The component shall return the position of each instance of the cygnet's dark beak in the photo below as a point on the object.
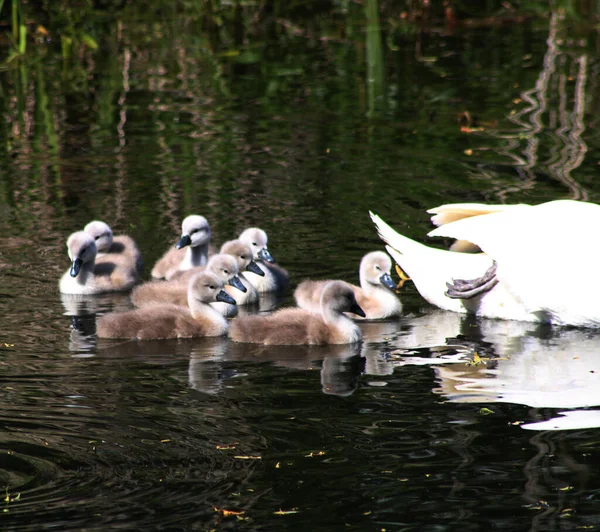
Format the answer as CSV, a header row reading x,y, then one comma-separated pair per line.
x,y
387,281
355,309
255,268
266,256
224,297
185,241
75,267
236,282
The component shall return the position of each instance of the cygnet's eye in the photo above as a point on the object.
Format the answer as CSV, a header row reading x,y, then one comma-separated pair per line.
x,y
243,257
226,272
377,267
98,237
211,286
254,244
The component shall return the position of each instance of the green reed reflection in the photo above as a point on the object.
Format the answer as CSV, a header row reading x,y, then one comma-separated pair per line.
x,y
375,60
208,98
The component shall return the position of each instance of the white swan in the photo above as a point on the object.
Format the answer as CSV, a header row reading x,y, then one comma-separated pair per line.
x,y
539,262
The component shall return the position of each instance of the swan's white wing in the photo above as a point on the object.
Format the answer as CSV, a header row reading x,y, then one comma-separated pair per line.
x,y
452,212
430,269
545,254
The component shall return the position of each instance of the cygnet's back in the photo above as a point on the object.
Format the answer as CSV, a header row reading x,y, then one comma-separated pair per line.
x,y
375,294
275,277
86,276
298,326
161,321
120,249
190,251
175,290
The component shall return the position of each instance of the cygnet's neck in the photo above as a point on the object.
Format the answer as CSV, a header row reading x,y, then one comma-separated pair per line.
x,y
195,256
366,284
344,326
333,316
262,283
202,308
86,272
372,288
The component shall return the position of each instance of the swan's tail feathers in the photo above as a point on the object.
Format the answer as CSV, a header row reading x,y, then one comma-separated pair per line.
x,y
430,268
451,212
400,244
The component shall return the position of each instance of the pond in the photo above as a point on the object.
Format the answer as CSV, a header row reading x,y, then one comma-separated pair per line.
x,y
298,121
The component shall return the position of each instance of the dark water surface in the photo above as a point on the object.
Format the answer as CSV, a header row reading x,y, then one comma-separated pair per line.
x,y
408,431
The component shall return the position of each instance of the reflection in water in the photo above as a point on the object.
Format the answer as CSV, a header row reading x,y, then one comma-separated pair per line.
x,y
513,362
148,435
206,370
83,310
211,366
85,305
551,123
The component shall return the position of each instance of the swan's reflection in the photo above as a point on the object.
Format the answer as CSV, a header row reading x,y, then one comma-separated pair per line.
x,y
516,362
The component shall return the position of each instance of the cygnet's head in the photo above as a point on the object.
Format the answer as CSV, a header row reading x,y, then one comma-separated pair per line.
x,y
195,231
206,287
101,233
257,240
375,268
81,248
339,297
243,255
226,268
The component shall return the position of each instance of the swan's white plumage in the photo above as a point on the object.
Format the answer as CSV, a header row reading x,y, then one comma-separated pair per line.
x,y
457,211
546,265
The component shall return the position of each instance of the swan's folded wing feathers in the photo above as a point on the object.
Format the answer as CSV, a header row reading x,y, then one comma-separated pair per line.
x,y
452,212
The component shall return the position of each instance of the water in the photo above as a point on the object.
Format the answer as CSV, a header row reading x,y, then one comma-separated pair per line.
x,y
408,431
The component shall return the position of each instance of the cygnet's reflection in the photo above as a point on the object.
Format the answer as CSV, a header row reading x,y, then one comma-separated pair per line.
x,y
341,365
207,371
83,309
517,362
85,305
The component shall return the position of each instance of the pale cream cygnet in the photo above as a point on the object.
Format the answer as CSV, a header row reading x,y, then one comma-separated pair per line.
x,y
190,251
275,277
375,295
89,275
121,248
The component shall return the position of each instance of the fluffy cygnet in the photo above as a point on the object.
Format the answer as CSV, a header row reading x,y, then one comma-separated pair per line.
x,y
121,249
275,277
167,320
90,276
375,294
190,251
175,290
243,254
298,326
